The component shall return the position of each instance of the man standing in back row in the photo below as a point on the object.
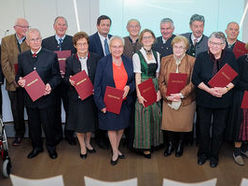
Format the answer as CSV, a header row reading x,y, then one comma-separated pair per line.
x,y
59,42
11,47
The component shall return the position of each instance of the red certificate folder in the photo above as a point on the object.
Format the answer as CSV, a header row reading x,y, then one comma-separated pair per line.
x,y
34,85
83,85
244,104
147,91
223,77
113,99
176,82
16,68
62,55
239,49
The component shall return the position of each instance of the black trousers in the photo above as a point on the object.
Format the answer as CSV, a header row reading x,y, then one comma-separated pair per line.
x,y
61,95
17,108
38,119
211,146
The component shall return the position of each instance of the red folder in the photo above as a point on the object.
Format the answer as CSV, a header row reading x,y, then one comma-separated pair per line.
x,y
62,55
239,49
16,68
176,82
147,91
34,85
113,99
83,85
244,104
223,77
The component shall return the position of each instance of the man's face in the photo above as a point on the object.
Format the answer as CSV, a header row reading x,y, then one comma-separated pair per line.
x,y
232,31
133,28
166,30
60,27
197,28
21,28
34,41
104,27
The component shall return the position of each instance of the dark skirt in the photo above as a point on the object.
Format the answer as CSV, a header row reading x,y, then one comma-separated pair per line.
x,y
237,126
111,121
82,115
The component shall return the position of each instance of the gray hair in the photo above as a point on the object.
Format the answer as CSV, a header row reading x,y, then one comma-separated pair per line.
x,y
196,17
133,20
116,38
60,17
218,35
232,22
32,30
167,20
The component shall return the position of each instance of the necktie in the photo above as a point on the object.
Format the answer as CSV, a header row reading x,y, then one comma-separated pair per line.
x,y
60,43
106,47
195,41
34,55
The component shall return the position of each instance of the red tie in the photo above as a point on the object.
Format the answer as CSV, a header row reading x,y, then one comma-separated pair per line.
x,y
34,55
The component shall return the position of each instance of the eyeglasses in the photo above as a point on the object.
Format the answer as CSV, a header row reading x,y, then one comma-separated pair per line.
x,y
21,26
180,47
215,44
116,47
147,37
35,40
81,44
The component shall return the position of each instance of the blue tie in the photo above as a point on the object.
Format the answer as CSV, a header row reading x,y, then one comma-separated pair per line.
x,y
60,43
106,47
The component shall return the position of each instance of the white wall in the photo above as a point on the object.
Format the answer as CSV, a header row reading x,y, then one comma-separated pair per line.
x,y
41,15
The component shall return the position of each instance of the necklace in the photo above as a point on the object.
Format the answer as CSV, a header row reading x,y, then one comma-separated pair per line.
x,y
148,52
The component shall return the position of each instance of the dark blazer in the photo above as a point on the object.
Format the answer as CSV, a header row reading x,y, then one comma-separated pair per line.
x,y
51,43
73,66
96,45
203,72
164,49
103,78
46,65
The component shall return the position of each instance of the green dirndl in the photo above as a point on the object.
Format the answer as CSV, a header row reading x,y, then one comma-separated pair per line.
x,y
147,132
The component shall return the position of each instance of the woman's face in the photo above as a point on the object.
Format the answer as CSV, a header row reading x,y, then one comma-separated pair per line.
x,y
116,48
147,39
82,46
216,46
179,49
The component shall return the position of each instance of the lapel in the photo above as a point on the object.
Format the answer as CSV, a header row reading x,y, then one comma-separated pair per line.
x,y
99,44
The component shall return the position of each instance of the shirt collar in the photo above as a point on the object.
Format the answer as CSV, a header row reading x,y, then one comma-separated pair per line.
x,y
193,38
32,52
102,38
163,40
57,38
20,40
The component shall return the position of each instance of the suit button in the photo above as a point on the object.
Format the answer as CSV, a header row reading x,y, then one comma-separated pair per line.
x,y
34,68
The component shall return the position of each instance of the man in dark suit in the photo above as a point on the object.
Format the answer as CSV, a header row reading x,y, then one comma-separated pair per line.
x,y
100,40
197,40
99,44
40,112
232,42
11,46
58,42
163,43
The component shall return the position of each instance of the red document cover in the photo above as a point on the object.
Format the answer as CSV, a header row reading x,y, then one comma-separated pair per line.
x,y
223,77
176,82
16,68
113,99
147,91
34,85
83,85
62,55
239,49
244,104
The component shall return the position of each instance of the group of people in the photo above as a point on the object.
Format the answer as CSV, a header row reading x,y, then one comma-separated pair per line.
x,y
124,63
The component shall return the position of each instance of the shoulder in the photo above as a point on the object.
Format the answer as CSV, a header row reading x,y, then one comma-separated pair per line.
x,y
229,54
93,36
166,59
94,56
48,39
23,54
48,52
8,38
187,35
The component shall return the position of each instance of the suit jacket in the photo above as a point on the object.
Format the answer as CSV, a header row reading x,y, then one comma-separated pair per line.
x,y
167,66
46,65
9,57
164,49
201,46
96,45
51,43
73,66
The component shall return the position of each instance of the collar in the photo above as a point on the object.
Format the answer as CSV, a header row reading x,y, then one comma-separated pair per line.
x,y
102,38
20,40
57,38
82,58
163,40
193,38
132,40
32,52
